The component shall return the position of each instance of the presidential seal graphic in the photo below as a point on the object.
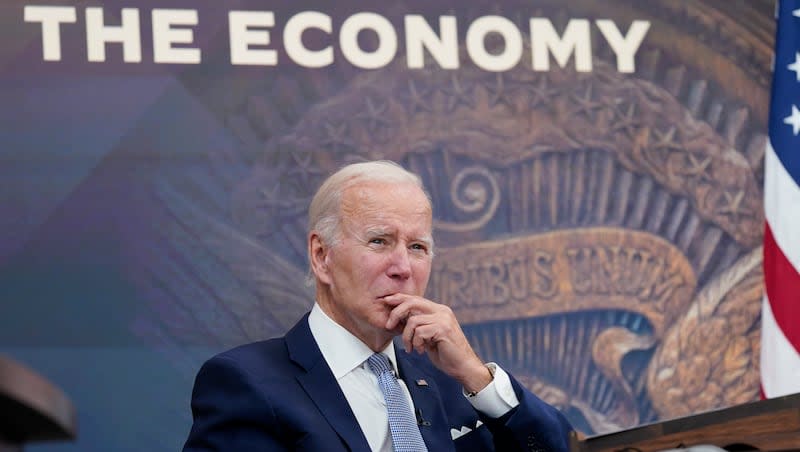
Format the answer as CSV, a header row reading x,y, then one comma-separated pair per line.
x,y
598,231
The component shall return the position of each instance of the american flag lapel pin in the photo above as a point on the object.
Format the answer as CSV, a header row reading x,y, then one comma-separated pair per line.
x,y
422,382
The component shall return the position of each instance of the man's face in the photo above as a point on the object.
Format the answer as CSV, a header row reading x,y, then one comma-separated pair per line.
x,y
384,247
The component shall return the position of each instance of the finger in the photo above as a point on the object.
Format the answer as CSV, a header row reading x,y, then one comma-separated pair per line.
x,y
408,334
425,337
412,330
396,298
400,312
397,316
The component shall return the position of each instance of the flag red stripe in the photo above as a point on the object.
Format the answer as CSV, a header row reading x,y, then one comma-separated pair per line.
x,y
782,283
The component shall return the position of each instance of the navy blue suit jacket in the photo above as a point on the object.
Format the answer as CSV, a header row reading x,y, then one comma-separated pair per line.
x,y
280,394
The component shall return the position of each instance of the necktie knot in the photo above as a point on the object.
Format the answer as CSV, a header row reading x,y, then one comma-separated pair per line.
x,y
379,364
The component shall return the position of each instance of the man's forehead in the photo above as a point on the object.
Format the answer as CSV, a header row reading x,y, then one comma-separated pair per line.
x,y
379,187
386,209
378,195
415,225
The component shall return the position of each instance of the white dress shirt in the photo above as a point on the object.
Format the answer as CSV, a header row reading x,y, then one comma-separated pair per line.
x,y
346,355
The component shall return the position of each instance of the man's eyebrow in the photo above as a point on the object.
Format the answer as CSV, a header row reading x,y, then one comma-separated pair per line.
x,y
427,240
381,231
376,231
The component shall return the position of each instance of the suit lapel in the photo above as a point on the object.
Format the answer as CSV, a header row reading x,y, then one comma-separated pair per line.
x,y
321,386
427,403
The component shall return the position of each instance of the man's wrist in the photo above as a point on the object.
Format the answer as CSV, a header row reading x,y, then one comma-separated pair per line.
x,y
489,370
498,398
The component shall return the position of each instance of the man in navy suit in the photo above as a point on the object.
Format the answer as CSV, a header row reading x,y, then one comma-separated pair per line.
x,y
317,388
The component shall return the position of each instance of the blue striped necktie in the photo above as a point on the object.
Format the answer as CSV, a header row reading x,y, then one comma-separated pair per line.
x,y
402,424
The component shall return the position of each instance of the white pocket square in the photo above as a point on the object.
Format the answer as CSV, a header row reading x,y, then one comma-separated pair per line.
x,y
455,434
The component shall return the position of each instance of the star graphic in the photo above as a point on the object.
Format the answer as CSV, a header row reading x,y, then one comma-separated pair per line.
x,y
626,122
305,169
458,94
500,95
733,203
337,137
418,99
793,120
273,202
696,165
540,94
374,115
796,13
796,65
666,141
586,103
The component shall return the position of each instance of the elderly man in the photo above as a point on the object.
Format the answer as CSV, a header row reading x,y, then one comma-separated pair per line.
x,y
339,380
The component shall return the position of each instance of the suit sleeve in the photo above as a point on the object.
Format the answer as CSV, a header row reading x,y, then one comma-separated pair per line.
x,y
229,413
533,425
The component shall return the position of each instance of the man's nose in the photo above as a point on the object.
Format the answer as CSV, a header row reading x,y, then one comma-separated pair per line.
x,y
400,265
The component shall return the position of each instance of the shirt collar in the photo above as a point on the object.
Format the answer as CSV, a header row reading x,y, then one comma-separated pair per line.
x,y
342,351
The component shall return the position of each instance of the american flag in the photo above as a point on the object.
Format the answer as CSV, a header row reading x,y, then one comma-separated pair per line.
x,y
780,317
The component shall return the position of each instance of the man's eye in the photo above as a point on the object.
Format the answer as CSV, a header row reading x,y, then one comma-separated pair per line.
x,y
419,247
378,241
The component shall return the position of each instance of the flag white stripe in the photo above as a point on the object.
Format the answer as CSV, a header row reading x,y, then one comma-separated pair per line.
x,y
780,362
782,206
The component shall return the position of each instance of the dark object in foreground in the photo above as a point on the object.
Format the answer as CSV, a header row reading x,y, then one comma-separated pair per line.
x,y
31,408
772,425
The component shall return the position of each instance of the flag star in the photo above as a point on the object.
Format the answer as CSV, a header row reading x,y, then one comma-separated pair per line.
x,y
796,12
796,65
793,120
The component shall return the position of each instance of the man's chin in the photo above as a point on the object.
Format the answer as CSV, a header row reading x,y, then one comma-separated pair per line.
x,y
380,324
396,331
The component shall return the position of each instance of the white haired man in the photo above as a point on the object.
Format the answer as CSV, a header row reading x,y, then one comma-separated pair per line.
x,y
375,366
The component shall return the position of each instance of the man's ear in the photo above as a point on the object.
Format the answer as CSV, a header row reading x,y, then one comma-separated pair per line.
x,y
319,254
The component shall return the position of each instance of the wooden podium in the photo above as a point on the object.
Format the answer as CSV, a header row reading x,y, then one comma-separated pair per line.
x,y
767,425
31,408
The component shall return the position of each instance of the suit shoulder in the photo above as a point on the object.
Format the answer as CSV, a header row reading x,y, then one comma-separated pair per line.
x,y
263,358
274,346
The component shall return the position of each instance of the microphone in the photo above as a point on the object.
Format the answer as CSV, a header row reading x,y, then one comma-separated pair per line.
x,y
421,420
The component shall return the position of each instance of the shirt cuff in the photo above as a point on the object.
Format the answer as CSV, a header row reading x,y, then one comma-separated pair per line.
x,y
498,397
